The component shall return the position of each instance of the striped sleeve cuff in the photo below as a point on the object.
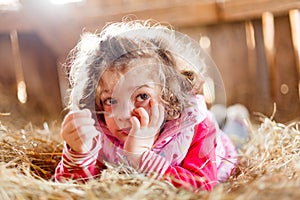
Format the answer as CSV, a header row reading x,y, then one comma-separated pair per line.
x,y
73,159
152,163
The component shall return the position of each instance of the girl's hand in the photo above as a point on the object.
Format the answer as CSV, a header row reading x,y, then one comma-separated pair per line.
x,y
78,130
143,132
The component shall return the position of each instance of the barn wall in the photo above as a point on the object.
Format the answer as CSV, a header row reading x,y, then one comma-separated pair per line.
x,y
7,66
40,75
246,72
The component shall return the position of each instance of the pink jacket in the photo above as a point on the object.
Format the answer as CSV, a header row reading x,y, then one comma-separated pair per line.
x,y
184,155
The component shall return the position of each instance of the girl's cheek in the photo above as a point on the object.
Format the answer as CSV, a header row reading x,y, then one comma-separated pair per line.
x,y
107,108
145,104
135,114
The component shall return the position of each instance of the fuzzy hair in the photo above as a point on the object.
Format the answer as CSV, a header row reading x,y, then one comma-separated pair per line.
x,y
118,43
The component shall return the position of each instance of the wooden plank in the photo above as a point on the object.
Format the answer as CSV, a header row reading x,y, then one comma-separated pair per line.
x,y
21,84
238,10
60,26
295,32
178,15
14,21
251,69
268,27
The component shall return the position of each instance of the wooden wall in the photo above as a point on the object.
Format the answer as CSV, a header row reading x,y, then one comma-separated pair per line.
x,y
246,72
47,32
40,75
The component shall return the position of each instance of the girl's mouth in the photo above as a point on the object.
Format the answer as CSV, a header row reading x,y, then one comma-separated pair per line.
x,y
125,130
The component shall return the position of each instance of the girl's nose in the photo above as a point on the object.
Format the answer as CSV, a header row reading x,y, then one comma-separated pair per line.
x,y
123,110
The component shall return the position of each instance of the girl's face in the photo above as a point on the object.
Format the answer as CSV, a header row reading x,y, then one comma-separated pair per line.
x,y
121,93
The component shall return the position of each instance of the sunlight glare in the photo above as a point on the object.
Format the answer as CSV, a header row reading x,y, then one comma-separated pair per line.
x,y
65,1
10,5
22,94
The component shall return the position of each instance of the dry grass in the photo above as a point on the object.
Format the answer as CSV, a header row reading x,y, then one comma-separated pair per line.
x,y
269,167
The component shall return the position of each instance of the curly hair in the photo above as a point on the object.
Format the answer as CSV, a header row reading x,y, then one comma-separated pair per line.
x,y
120,43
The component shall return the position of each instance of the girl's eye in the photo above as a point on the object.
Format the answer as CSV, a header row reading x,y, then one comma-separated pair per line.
x,y
110,101
142,97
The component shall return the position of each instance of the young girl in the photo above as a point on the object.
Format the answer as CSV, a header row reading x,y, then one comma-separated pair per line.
x,y
135,96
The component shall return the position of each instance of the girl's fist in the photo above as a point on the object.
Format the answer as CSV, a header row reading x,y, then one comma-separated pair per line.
x,y
78,130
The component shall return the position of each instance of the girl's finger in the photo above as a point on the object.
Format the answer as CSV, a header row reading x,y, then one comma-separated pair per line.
x,y
144,117
161,111
87,132
75,124
76,114
81,144
135,125
157,115
77,139
70,137
154,112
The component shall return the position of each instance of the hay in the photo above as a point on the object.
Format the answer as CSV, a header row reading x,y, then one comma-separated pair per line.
x,y
269,163
30,149
269,167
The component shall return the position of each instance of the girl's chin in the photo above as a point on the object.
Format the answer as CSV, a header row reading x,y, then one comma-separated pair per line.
x,y
122,136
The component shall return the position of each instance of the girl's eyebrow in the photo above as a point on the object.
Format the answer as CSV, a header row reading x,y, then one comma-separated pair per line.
x,y
105,92
109,92
148,85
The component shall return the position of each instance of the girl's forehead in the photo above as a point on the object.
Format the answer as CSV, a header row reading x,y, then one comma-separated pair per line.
x,y
135,75
109,79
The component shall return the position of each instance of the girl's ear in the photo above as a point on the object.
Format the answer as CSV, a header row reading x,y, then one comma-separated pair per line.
x,y
189,75
195,81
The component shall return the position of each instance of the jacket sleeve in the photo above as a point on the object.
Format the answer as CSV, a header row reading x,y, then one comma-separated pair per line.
x,y
78,166
198,169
